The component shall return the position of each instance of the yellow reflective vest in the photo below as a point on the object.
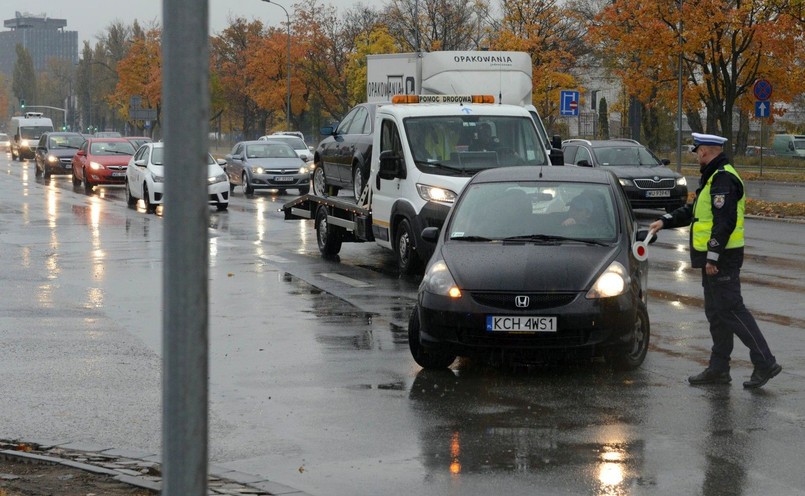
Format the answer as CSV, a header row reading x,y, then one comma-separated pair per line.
x,y
703,213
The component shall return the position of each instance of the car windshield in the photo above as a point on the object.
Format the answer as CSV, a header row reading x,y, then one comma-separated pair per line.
x,y
270,150
472,143
34,132
624,155
111,148
535,211
66,141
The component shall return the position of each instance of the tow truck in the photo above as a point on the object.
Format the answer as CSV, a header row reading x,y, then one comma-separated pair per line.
x,y
425,149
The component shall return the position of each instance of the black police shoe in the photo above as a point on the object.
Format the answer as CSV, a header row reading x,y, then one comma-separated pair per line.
x,y
709,376
762,376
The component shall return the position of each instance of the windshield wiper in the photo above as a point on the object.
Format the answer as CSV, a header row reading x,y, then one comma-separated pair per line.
x,y
551,237
471,238
439,165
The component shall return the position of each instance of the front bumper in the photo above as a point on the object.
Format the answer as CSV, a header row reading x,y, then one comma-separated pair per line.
x,y
280,181
458,326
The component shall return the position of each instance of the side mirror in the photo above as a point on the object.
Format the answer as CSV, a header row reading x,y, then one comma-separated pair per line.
x,y
390,165
557,156
666,162
556,141
430,234
327,130
221,162
139,163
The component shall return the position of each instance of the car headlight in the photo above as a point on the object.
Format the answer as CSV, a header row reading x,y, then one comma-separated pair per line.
x,y
625,182
217,179
435,194
303,169
157,178
438,280
52,159
681,181
612,282
24,142
95,166
258,170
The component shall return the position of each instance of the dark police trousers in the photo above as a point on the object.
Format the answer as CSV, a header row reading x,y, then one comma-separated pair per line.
x,y
728,316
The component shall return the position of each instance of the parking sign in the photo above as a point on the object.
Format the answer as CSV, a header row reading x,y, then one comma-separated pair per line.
x,y
569,102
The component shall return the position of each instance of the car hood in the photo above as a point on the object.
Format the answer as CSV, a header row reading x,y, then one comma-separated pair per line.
x,y
638,171
526,266
213,170
110,159
276,163
64,152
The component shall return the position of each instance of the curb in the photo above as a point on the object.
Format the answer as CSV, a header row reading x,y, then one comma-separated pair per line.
x,y
137,468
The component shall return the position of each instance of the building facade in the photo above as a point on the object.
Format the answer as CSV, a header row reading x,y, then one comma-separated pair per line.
x,y
43,37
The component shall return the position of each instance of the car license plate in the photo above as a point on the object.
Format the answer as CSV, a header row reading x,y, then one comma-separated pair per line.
x,y
283,179
497,323
118,174
658,193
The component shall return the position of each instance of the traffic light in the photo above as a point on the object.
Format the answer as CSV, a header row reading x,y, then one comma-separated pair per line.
x,y
22,103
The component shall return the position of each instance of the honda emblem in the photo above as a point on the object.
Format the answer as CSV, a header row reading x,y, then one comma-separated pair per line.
x,y
522,301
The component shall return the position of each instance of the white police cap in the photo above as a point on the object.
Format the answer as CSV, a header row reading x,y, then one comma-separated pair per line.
x,y
707,139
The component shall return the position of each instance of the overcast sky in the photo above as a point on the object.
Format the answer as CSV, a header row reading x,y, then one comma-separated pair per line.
x,y
91,17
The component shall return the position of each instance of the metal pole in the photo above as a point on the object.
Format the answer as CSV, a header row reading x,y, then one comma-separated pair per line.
x,y
185,323
288,91
679,99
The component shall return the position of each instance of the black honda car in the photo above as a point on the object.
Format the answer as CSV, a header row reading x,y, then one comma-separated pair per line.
x,y
647,180
535,264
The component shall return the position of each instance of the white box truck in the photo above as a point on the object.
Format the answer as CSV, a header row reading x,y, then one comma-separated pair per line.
x,y
504,74
25,131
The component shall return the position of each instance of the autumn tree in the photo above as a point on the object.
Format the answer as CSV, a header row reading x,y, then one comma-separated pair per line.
x,y
24,78
431,25
140,74
229,52
545,30
726,45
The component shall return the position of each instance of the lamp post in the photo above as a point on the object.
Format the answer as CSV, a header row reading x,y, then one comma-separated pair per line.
x,y
288,90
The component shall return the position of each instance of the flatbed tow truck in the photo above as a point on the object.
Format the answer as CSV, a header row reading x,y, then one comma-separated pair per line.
x,y
412,184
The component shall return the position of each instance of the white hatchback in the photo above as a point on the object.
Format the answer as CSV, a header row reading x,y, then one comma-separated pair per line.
x,y
145,178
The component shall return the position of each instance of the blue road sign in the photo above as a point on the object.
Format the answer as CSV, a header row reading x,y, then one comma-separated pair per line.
x,y
762,108
569,102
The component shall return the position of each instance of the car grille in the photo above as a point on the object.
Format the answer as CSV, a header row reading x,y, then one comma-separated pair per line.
x,y
652,184
66,160
117,167
506,301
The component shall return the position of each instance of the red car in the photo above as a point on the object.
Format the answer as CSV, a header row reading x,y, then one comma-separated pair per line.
x,y
102,161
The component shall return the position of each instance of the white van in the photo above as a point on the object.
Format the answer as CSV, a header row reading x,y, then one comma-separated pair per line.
x,y
789,145
25,131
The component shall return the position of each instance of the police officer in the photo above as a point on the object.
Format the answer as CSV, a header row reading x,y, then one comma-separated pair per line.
x,y
716,218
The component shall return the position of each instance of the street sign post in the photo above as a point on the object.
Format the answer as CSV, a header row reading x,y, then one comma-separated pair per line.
x,y
569,102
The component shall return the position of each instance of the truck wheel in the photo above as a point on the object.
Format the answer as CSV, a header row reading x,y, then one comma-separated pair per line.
x,y
328,237
631,356
426,359
407,258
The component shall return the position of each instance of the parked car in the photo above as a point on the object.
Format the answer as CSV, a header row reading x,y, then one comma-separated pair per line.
x,y
101,161
145,178
755,151
301,148
266,164
5,143
298,134
513,278
342,159
648,181
138,141
54,153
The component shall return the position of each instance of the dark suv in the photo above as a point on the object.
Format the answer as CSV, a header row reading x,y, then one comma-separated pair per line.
x,y
54,152
343,158
647,180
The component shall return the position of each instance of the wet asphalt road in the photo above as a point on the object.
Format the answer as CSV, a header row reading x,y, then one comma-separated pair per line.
x,y
312,384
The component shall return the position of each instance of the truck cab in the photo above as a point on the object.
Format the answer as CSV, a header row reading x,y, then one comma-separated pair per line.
x,y
424,154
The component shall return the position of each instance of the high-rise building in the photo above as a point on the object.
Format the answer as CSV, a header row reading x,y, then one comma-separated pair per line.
x,y
43,37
